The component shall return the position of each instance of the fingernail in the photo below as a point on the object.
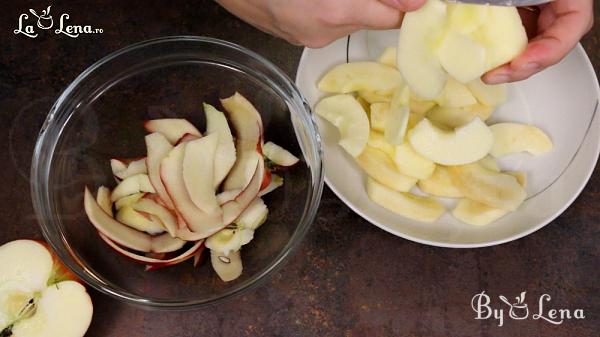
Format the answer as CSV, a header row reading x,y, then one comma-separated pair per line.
x,y
497,79
530,66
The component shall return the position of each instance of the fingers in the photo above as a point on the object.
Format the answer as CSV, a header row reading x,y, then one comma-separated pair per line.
x,y
404,5
553,43
375,14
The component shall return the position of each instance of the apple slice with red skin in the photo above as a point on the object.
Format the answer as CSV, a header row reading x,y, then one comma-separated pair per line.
x,y
149,205
247,123
172,128
131,185
200,223
198,172
122,234
216,123
123,168
158,147
188,137
232,209
152,261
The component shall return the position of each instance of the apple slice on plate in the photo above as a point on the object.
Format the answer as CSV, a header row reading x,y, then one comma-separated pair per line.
x,y
378,111
441,184
456,117
356,76
377,140
411,163
132,185
513,138
172,128
225,157
279,155
349,117
38,295
396,119
487,94
477,214
123,169
380,167
198,172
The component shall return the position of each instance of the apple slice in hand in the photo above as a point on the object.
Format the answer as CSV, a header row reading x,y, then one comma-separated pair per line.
x,y
198,172
228,267
357,76
279,155
513,138
487,94
456,117
122,169
455,95
35,298
172,128
424,209
157,148
216,122
381,168
132,185
463,145
348,116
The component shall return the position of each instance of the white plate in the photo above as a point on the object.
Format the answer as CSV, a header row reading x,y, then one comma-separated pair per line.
x,y
562,101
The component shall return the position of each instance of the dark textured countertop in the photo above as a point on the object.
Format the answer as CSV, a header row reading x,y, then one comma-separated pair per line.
x,y
348,278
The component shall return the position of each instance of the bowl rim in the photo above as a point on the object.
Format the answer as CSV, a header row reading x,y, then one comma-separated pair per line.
x,y
588,174
40,169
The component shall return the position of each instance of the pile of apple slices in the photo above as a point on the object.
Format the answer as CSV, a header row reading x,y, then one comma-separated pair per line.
x,y
191,190
38,295
438,145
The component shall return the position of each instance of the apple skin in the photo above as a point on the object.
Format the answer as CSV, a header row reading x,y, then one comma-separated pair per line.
x,y
266,180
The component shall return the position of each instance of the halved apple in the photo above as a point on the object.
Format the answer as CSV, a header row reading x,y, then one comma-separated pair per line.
x,y
132,185
477,214
378,141
128,200
494,189
378,116
200,223
276,181
216,122
103,199
149,206
513,137
140,221
487,94
440,184
455,95
356,76
396,119
172,128
247,123
123,169
457,117
411,163
198,172
419,34
388,57
279,155
463,145
228,267
348,116
38,295
381,168
424,209
157,148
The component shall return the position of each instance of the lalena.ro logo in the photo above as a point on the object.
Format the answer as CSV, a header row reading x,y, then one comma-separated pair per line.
x,y
520,310
30,26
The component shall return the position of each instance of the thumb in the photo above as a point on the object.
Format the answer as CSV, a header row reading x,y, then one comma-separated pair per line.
x,y
405,5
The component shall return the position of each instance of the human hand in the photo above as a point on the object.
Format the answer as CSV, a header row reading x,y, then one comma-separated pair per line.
x,y
560,25
316,23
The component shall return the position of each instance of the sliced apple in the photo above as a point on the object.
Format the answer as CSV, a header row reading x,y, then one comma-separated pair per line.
x,y
123,170
372,97
377,140
200,223
128,200
489,163
466,18
247,123
253,216
228,195
228,267
276,181
216,122
411,163
396,119
521,177
487,94
188,137
136,220
513,138
232,209
424,209
348,116
356,76
157,148
149,206
455,95
279,155
172,128
198,172
229,240
420,106
381,168
457,117
388,57
440,184
419,35
477,214
463,145
494,189
378,116
463,58
132,185
103,199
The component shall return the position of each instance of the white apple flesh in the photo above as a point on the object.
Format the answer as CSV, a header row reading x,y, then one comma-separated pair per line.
x,y
279,155
122,170
132,185
172,128
232,209
228,267
198,172
225,157
157,148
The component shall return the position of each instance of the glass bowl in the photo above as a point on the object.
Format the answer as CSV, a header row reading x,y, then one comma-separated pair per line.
x,y
100,116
